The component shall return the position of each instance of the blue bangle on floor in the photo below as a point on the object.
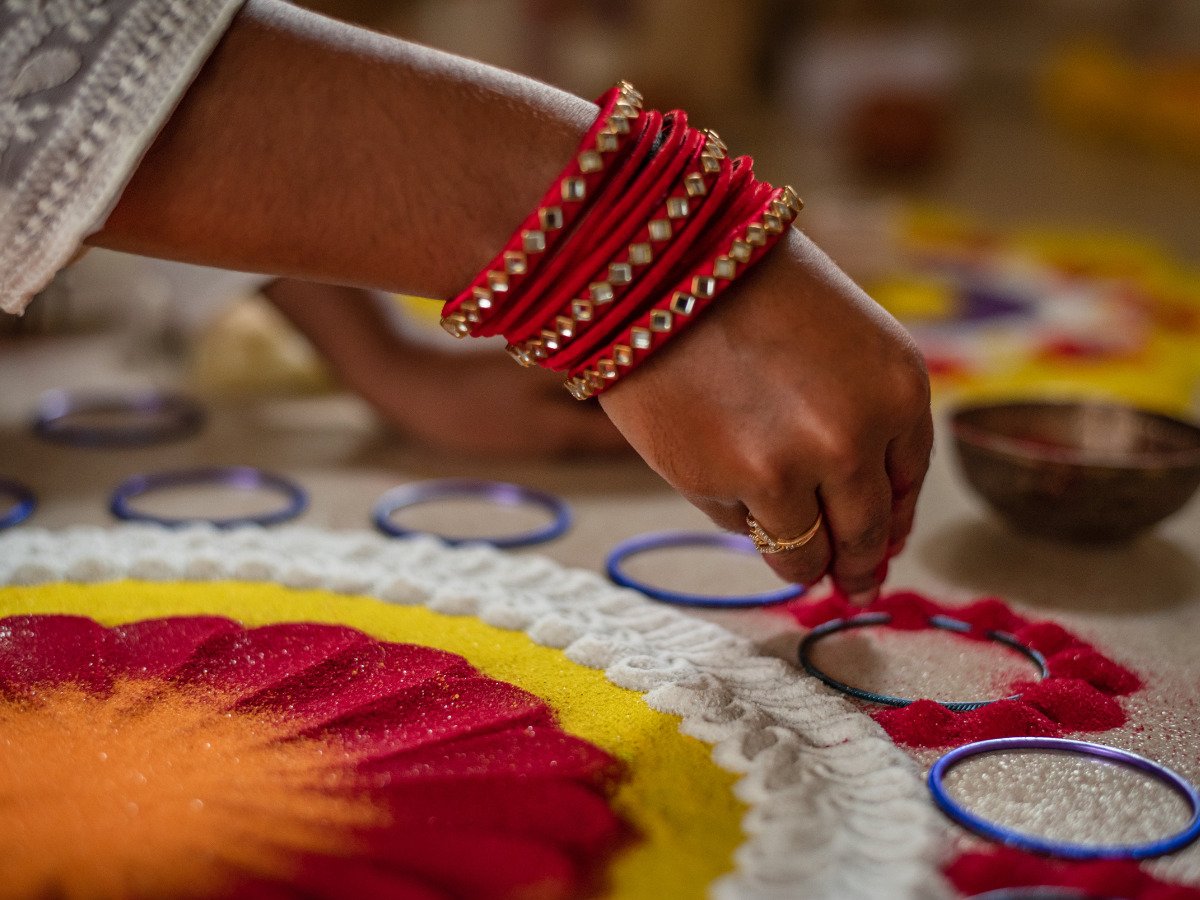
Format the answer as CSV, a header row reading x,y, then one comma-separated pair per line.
x,y
1062,849
165,417
501,493
24,503
942,623
644,543
240,477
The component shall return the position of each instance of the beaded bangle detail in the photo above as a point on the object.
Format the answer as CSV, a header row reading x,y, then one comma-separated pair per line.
x,y
623,272
557,211
691,237
645,227
690,297
581,263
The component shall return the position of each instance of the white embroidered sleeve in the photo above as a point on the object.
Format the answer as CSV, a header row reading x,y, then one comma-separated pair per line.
x,y
84,87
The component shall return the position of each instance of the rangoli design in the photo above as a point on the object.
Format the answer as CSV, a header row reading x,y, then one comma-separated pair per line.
x,y
192,756
343,714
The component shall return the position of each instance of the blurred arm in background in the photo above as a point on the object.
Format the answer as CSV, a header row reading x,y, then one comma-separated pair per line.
x,y
474,402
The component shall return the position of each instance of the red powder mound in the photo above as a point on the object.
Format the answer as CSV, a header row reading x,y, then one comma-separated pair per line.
x,y
814,613
1072,703
1079,694
1046,638
988,614
909,611
1087,664
977,873
929,724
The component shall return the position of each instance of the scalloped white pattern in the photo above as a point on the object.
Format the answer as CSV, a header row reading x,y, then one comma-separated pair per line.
x,y
835,809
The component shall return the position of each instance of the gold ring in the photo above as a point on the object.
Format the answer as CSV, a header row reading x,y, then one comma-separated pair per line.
x,y
764,543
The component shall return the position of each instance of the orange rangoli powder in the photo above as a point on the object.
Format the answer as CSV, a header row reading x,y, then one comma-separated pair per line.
x,y
151,790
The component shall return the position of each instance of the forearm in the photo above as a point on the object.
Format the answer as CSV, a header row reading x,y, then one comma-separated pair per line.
x,y
348,328
312,149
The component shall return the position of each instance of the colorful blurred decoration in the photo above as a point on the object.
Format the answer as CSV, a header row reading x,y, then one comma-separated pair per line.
x,y
1045,313
1154,104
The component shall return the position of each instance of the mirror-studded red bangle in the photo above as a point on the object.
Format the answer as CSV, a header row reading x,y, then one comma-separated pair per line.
x,y
590,284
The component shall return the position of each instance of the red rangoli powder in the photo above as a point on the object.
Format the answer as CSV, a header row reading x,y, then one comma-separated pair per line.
x,y
977,873
1079,694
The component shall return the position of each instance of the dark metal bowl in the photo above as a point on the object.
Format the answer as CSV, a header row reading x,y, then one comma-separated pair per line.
x,y
1083,471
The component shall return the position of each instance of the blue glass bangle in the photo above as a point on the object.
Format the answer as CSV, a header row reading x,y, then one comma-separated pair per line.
x,y
501,493
1062,849
167,417
23,505
942,623
663,540
241,477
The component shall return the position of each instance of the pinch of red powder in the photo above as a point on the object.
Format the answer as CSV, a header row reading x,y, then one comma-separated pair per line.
x,y
812,614
1078,695
977,873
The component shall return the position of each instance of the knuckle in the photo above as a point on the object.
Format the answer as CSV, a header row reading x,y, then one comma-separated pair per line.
x,y
726,516
763,477
840,449
688,485
908,382
911,354
865,540
907,379
911,393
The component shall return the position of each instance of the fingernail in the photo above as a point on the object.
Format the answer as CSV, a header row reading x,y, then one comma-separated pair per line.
x,y
863,598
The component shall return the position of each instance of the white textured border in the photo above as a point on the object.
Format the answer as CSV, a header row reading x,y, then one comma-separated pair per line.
x,y
836,810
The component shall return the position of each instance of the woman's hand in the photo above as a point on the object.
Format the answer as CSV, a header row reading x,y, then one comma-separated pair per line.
x,y
794,395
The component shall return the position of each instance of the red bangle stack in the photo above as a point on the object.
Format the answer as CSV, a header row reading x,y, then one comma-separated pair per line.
x,y
647,225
